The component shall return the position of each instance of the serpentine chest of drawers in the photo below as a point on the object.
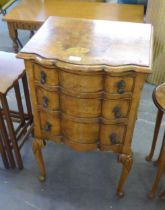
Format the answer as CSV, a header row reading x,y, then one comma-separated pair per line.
x,y
85,79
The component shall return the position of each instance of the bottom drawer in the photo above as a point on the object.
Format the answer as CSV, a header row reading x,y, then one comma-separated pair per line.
x,y
112,134
80,147
79,131
50,124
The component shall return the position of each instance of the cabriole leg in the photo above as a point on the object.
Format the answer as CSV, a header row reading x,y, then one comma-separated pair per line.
x,y
37,145
127,161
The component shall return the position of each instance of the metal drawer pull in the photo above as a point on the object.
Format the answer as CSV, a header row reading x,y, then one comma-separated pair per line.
x,y
42,77
121,85
117,112
47,126
45,101
113,138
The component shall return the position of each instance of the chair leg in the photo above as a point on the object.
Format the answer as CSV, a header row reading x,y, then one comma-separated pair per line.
x,y
27,97
31,34
19,102
6,141
19,42
159,172
11,131
3,154
156,132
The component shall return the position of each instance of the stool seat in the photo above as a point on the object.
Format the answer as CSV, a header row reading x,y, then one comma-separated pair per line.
x,y
11,69
159,96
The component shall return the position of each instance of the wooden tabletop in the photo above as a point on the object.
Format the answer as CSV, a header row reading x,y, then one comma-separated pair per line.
x,y
40,10
91,42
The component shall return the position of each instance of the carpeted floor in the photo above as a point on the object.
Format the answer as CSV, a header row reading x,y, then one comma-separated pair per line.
x,y
83,181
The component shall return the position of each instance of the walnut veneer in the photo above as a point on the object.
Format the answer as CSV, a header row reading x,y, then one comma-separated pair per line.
x,y
86,77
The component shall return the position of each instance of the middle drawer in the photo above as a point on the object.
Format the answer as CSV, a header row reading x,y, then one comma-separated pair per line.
x,y
115,109
47,99
80,130
80,107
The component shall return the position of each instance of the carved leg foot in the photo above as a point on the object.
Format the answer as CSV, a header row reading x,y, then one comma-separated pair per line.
x,y
149,157
37,146
120,194
127,161
151,195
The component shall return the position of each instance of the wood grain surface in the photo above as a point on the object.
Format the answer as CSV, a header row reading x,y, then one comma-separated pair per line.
x,y
39,11
91,42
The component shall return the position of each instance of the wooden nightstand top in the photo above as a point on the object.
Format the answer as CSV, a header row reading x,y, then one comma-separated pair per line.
x,y
85,42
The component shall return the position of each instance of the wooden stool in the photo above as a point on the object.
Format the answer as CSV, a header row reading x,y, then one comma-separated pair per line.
x,y
11,137
159,100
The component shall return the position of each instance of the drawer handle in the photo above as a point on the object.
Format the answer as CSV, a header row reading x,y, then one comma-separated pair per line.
x,y
42,77
47,127
113,138
45,101
121,85
117,112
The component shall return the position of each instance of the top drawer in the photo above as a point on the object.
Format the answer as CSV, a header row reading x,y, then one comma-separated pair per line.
x,y
120,85
45,76
81,83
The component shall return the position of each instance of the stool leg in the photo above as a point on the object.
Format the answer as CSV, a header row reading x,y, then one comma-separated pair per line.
x,y
162,195
156,162
19,102
11,131
160,171
156,132
27,97
3,154
4,135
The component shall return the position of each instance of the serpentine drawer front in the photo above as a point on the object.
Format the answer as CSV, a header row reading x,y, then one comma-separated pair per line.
x,y
85,79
